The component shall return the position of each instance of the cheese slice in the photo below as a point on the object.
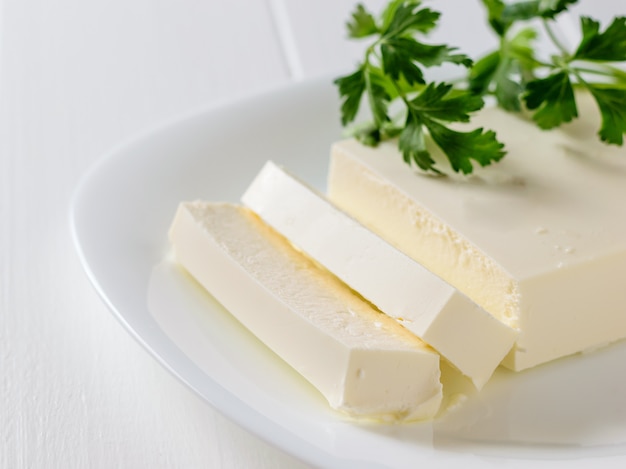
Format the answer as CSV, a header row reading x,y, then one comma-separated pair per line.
x,y
470,338
538,240
364,363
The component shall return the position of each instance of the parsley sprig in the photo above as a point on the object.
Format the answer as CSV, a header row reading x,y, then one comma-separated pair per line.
x,y
516,76
393,71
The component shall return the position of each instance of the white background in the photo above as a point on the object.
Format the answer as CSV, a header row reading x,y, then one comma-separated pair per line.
x,y
76,77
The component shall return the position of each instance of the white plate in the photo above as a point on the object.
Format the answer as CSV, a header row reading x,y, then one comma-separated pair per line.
x,y
571,412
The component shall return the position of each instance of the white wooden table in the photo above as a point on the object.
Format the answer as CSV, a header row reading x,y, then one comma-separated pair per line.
x,y
78,76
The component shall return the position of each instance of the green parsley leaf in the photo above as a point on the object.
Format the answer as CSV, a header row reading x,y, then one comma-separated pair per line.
x,y
516,68
612,104
397,60
553,98
520,48
408,18
520,11
365,81
412,144
483,72
378,98
371,134
497,76
504,71
463,147
508,90
433,55
502,15
400,54
551,8
437,104
609,46
525,10
351,88
495,9
362,24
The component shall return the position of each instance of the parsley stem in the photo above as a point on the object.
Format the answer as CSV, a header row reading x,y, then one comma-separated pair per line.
x,y
368,88
555,40
579,77
541,63
617,72
606,71
401,93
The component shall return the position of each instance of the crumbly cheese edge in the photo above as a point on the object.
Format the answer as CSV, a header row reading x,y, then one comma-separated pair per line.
x,y
407,224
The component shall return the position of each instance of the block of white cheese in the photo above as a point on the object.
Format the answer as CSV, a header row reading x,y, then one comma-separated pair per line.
x,y
363,362
538,240
470,338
